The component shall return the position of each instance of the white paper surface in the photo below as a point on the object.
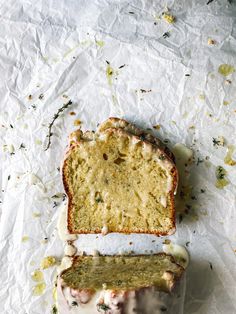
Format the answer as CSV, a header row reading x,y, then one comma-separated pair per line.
x,y
60,48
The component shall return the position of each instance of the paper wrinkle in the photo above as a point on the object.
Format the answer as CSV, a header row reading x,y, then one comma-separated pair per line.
x,y
50,48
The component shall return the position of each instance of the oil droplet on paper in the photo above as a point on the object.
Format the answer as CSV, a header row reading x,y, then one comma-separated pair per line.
x,y
47,262
228,158
25,238
109,73
37,275
202,97
38,142
100,43
36,214
226,69
39,289
54,293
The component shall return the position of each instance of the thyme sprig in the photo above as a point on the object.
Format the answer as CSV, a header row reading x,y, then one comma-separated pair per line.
x,y
56,115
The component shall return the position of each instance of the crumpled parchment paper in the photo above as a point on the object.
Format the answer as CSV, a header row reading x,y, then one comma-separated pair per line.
x,y
55,51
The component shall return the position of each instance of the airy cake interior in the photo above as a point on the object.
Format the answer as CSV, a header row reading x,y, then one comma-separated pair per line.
x,y
118,184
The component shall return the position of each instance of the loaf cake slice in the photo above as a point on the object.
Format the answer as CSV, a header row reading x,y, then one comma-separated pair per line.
x,y
123,272
117,182
118,284
132,129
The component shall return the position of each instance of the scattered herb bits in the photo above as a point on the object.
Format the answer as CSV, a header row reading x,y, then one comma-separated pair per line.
x,y
103,307
221,181
209,1
220,141
199,161
54,309
22,146
166,35
145,90
162,157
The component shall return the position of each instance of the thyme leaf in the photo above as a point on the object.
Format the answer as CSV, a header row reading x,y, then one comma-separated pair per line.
x,y
22,146
180,218
166,34
60,110
103,307
199,161
99,200
220,173
74,303
54,309
220,141
55,204
215,142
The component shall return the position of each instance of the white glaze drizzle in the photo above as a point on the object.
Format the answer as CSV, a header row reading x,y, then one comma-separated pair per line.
x,y
178,252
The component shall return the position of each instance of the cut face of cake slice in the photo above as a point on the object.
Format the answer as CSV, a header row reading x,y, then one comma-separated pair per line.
x,y
118,284
117,182
122,272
